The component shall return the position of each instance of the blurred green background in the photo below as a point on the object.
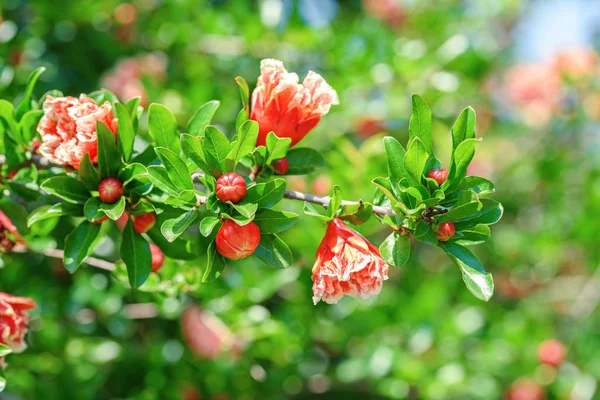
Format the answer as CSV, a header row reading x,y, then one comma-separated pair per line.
x,y
529,70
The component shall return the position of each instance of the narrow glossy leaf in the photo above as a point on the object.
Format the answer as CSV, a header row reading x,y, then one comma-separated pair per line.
x,y
240,119
160,178
176,169
16,212
277,147
479,185
309,209
146,157
414,161
266,194
271,221
79,244
420,122
425,234
247,210
475,235
88,174
114,210
92,210
29,125
246,142
467,205
274,252
180,248
67,188
244,92
194,149
109,156
202,118
464,127
4,350
303,160
462,158
335,201
357,213
208,224
125,131
53,211
162,126
7,113
132,171
215,264
135,253
216,148
477,279
385,186
173,228
489,214
395,158
25,103
395,250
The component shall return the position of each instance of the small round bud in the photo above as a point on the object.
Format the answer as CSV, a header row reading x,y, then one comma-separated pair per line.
x,y
439,175
445,231
158,257
231,187
281,166
122,221
143,223
552,352
100,220
235,241
524,389
110,190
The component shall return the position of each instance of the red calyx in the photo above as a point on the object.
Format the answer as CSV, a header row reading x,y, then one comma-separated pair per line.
x,y
158,257
235,241
552,352
445,231
281,166
231,187
100,220
143,223
439,175
110,190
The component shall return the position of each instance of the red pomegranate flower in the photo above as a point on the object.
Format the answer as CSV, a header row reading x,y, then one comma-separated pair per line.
x,y
206,335
347,264
68,128
282,105
9,236
14,321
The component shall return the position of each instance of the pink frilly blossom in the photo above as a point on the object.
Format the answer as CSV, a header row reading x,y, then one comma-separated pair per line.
x,y
577,63
206,335
282,105
68,128
14,321
347,264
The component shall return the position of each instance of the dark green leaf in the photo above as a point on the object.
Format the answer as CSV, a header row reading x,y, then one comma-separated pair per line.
x,y
309,209
194,149
420,123
489,214
202,118
25,103
176,169
114,210
179,249
125,131
475,235
173,228
29,125
162,126
79,244
414,161
67,188
395,250
52,211
478,280
461,159
135,253
271,221
466,205
274,252
303,160
215,264
160,178
395,158
479,185
266,194
216,148
88,174
246,210
109,156
245,143
92,210
276,147
425,234
208,224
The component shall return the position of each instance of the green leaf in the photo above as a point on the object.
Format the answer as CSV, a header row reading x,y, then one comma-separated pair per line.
x,y
88,174
247,210
202,118
240,119
29,125
477,184
173,228
146,157
309,209
414,161
131,172
489,214
246,142
385,186
467,205
395,250
114,210
179,249
52,211
25,103
162,126
67,188
357,213
92,210
461,159
16,212
420,123
271,221
335,201
274,252
276,147
216,148
303,160
194,149
125,131
160,178
244,92
2,383
109,156
176,169
266,194
478,280
4,350
425,234
395,158
464,127
215,264
79,244
7,113
475,235
208,224
135,253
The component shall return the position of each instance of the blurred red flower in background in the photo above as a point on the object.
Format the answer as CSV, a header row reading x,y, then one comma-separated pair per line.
x,y
347,264
9,236
281,105
206,335
14,321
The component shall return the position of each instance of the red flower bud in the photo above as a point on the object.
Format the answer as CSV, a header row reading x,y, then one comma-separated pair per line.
x,y
524,389
231,187
281,166
143,223
235,241
122,221
552,352
110,190
101,220
445,231
158,257
439,175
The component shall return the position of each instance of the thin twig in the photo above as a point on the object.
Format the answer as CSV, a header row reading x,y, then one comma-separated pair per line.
x,y
324,201
140,311
94,262
588,298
